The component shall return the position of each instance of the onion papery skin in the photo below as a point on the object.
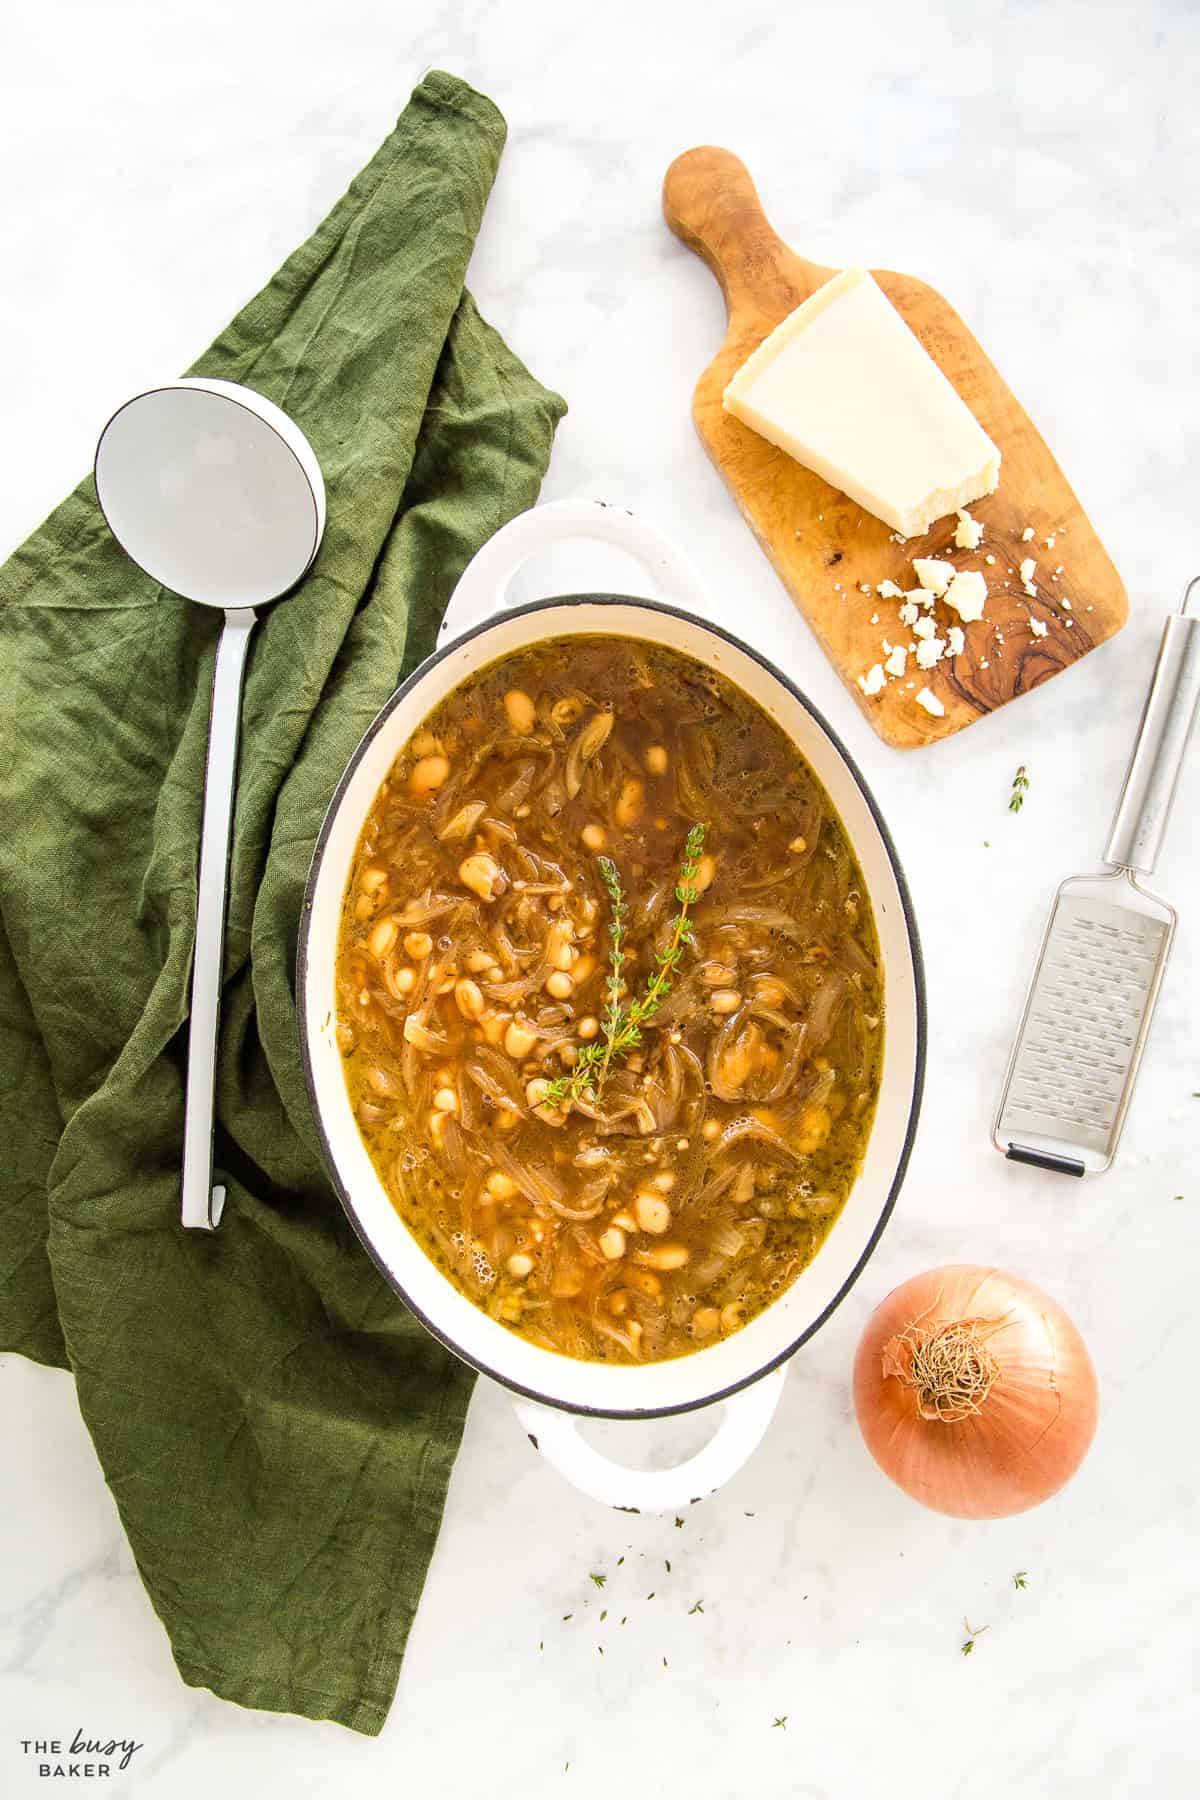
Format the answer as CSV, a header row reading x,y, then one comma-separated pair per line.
x,y
1035,1425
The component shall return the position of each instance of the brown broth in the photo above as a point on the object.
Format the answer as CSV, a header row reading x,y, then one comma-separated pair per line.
x,y
661,1210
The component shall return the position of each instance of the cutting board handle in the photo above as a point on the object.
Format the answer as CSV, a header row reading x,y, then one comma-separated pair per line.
x,y
710,202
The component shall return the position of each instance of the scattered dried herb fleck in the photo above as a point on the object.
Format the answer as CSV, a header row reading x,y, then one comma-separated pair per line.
x,y
779,1724
679,1522
598,1580
1016,799
666,1565
698,1608
1021,1578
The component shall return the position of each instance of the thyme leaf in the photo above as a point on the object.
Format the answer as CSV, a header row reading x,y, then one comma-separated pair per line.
x,y
1016,799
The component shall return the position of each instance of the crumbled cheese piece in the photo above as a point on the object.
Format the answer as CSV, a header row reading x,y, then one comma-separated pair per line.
x,y
930,652
966,594
873,680
984,663
1063,601
864,587
1060,568
896,661
1027,568
933,574
955,639
1049,542
1038,627
837,587
909,613
989,559
968,533
874,618
1027,535
924,628
931,703
887,648
896,537
887,590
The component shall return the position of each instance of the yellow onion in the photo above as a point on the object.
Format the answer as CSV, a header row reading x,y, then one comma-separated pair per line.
x,y
975,1392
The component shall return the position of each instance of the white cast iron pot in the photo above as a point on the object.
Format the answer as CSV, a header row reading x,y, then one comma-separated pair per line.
x,y
744,1372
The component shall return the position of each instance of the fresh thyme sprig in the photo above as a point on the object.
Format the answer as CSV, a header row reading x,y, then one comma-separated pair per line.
x,y
1016,799
611,877
622,1023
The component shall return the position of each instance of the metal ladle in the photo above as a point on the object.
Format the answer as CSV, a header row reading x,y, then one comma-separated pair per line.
x,y
217,495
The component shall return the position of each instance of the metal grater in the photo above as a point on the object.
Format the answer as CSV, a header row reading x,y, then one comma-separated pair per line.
x,y
1087,1016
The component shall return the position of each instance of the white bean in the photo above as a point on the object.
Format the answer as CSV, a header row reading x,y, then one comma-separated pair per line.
x,y
428,775
469,998
520,710
383,937
651,1211
482,874
664,1256
519,1039
706,869
628,808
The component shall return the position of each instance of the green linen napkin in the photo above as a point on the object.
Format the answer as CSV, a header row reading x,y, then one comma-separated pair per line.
x,y
276,1430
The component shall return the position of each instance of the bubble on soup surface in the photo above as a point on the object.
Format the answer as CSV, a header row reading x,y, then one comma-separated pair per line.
x,y
484,1271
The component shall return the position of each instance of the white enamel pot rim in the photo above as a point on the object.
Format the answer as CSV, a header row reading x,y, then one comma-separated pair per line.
x,y
715,1372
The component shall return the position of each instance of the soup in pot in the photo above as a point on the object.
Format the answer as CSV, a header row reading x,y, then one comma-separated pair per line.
x,y
610,999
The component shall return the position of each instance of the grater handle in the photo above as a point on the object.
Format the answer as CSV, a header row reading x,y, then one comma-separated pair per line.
x,y
1142,811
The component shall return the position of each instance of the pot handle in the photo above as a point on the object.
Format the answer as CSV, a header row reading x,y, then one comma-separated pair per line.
x,y
483,586
746,1415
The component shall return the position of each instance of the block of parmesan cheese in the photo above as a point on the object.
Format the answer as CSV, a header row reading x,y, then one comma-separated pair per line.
x,y
844,386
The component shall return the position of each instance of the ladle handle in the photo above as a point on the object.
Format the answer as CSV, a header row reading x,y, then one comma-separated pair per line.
x,y
202,1202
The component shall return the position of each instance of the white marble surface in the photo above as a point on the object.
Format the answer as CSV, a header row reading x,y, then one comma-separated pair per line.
x,y
1037,163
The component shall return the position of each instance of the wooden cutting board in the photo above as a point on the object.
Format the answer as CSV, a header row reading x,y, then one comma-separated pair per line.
x,y
825,547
